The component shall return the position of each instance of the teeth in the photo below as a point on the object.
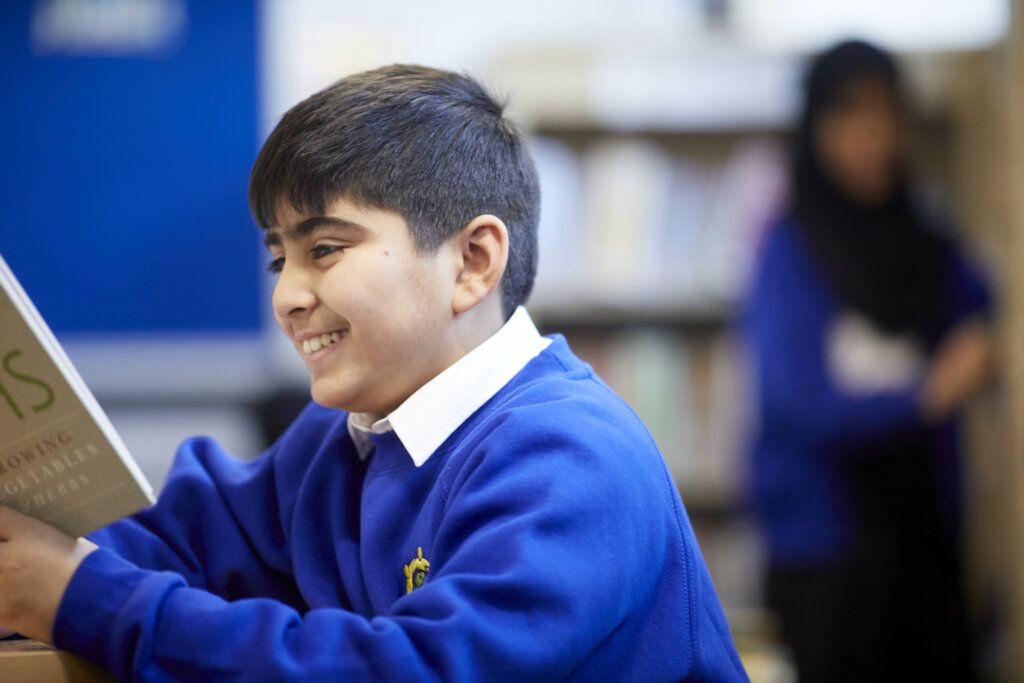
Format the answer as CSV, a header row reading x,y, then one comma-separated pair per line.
x,y
323,341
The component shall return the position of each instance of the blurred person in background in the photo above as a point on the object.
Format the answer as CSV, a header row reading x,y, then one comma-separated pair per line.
x,y
869,331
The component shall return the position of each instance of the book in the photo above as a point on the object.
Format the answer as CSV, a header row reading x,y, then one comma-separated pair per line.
x,y
61,460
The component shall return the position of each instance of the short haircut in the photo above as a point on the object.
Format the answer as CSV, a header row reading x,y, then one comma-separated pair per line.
x,y
431,145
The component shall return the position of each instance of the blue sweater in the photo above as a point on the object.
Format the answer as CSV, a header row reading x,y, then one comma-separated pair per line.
x,y
807,425
544,540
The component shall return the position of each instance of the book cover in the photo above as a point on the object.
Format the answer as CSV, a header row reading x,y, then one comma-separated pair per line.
x,y
60,459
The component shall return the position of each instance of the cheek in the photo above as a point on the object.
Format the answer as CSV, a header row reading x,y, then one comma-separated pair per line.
x,y
386,299
413,283
421,320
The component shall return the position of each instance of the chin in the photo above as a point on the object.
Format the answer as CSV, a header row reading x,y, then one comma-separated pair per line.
x,y
330,397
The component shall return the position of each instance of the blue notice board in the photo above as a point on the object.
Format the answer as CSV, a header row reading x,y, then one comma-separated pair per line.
x,y
127,131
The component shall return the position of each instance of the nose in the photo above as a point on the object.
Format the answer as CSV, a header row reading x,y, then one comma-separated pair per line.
x,y
293,293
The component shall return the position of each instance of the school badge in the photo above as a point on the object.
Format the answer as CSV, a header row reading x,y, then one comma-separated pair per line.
x,y
416,571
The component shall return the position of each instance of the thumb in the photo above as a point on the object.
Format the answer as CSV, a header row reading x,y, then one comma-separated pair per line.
x,y
11,521
14,523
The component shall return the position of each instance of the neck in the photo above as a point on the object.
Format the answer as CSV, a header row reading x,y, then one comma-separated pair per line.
x,y
472,328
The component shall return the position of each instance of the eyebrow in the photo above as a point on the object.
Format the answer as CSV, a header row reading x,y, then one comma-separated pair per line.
x,y
308,226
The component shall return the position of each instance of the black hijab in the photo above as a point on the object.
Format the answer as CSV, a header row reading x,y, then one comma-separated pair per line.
x,y
883,261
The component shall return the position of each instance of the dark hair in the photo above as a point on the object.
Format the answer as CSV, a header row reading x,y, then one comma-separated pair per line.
x,y
884,261
845,63
432,145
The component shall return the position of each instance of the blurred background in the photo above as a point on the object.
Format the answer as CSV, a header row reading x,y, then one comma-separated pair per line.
x,y
660,129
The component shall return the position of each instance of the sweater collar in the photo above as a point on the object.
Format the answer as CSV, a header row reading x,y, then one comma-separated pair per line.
x,y
431,414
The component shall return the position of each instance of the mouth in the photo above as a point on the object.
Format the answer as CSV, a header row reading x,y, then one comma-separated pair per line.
x,y
321,342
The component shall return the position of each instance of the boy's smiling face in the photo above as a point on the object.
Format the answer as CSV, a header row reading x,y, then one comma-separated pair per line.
x,y
370,315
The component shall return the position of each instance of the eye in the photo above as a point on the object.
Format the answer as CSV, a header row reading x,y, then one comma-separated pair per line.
x,y
323,250
276,265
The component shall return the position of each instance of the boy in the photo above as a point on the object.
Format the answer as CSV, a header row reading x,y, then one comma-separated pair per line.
x,y
464,501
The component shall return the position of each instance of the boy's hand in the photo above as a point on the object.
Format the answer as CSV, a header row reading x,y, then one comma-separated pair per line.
x,y
36,565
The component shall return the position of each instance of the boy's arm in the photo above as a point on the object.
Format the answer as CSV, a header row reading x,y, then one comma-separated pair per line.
x,y
545,552
217,525
191,531
198,529
219,522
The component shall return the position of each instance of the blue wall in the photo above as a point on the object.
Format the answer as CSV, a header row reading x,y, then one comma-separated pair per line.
x,y
123,175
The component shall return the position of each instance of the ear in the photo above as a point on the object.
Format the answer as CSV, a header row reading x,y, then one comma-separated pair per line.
x,y
481,254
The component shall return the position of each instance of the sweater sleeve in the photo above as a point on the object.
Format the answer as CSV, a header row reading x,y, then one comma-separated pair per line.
x,y
544,555
218,524
786,322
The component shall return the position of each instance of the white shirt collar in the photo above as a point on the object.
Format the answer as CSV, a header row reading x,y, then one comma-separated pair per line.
x,y
429,416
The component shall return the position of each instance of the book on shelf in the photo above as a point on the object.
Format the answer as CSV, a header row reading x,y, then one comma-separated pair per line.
x,y
626,203
560,269
61,460
627,222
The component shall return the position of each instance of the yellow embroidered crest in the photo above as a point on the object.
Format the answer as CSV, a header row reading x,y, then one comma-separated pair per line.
x,y
416,571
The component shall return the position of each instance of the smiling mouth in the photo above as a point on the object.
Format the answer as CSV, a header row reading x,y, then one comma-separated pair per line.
x,y
322,342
